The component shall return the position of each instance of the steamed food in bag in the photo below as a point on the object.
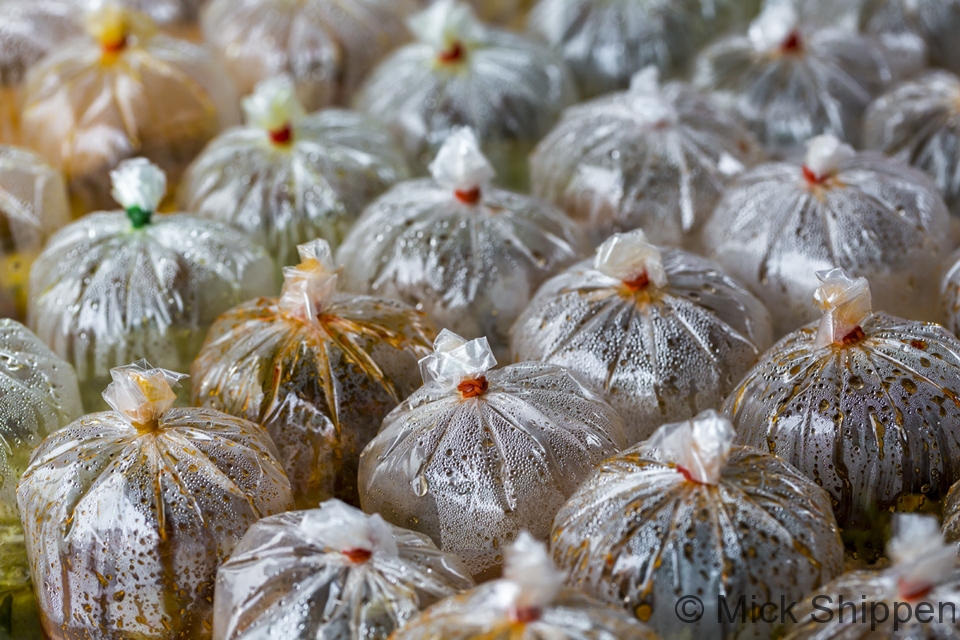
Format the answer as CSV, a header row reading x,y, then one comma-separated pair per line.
x,y
128,513
121,91
687,512
864,403
468,254
663,334
287,177
38,396
120,285
332,572
327,46
528,603
779,223
459,72
478,454
318,368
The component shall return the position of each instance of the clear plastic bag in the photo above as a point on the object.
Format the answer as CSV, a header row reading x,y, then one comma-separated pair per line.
x,y
33,205
119,92
115,286
29,29
287,178
936,22
790,80
317,368
510,89
864,403
332,572
529,603
780,223
605,42
38,395
177,16
328,46
657,157
687,513
914,599
917,123
469,255
128,513
663,335
479,454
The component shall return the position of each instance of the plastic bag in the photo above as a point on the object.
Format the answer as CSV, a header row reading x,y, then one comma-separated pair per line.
x,y
119,92
317,368
780,223
38,395
916,123
864,403
919,592
529,603
328,46
332,572
29,29
687,513
950,292
663,333
175,16
287,178
510,89
936,22
33,205
129,513
116,286
469,255
790,80
479,454
606,42
657,157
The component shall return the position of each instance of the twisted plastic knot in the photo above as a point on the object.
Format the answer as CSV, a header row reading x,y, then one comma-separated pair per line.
x,y
450,27
628,257
534,579
138,187
922,560
142,393
309,287
846,304
458,365
274,107
699,447
461,167
357,536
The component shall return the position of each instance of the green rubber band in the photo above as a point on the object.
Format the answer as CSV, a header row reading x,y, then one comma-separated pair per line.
x,y
138,217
